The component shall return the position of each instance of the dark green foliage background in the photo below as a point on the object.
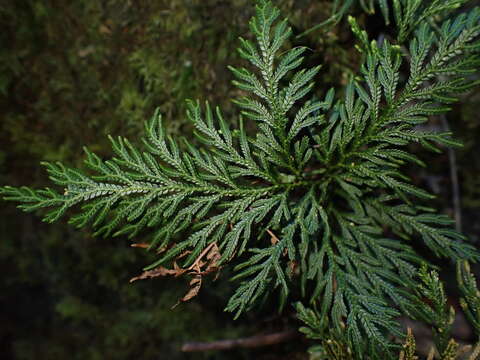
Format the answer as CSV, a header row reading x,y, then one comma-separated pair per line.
x,y
72,72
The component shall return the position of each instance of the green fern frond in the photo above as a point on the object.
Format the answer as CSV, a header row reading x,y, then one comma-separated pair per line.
x,y
470,301
433,309
314,195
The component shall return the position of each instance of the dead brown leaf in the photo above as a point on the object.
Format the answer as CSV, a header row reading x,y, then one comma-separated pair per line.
x,y
195,285
207,262
159,271
141,245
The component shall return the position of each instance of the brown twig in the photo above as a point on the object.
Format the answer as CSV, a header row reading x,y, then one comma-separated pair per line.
x,y
274,238
457,208
249,342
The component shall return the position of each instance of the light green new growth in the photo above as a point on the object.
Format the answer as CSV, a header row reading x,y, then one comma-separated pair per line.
x,y
407,14
316,196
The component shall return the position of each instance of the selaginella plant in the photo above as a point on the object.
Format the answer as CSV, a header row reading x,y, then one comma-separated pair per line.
x,y
432,308
310,194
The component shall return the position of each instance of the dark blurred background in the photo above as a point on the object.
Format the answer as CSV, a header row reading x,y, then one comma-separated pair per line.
x,y
72,72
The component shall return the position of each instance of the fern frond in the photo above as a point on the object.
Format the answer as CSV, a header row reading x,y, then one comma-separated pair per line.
x,y
435,311
313,196
470,301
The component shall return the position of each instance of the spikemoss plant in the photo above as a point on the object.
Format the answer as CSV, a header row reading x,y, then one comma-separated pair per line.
x,y
314,198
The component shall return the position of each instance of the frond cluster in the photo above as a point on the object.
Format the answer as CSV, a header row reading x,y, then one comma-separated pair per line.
x,y
316,196
431,307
